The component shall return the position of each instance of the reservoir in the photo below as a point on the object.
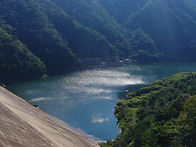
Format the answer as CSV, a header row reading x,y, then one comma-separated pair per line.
x,y
86,99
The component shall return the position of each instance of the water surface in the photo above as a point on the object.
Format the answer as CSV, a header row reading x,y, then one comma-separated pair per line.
x,y
86,99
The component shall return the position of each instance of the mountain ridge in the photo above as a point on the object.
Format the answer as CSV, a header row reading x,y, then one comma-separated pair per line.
x,y
61,33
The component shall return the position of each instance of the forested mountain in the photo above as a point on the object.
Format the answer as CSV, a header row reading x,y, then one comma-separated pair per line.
x,y
50,34
64,34
16,58
169,23
92,14
160,115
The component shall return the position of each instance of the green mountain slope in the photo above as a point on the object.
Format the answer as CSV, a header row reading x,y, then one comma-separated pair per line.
x,y
67,34
172,26
167,27
33,28
92,15
157,115
169,23
83,41
51,35
16,61
120,11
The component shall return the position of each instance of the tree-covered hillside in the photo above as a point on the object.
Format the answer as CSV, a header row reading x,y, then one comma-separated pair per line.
x,y
51,35
16,61
171,24
92,14
33,28
65,34
155,27
162,114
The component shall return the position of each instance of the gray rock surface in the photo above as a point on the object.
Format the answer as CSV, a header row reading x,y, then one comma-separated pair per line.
x,y
23,125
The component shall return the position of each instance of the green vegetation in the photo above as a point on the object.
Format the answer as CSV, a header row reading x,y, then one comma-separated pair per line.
x,y
16,61
159,27
50,35
61,32
170,24
92,15
162,114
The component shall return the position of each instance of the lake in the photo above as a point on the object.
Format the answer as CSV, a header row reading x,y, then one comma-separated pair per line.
x,y
86,99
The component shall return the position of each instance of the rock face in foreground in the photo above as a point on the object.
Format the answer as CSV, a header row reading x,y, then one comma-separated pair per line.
x,y
22,125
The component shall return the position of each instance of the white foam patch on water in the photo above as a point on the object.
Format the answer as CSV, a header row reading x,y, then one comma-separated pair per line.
x,y
97,118
40,99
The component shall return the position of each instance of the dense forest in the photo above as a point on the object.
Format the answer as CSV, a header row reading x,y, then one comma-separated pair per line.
x,y
162,114
45,37
56,36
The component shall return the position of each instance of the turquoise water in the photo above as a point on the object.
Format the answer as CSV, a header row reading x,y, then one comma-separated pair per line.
x,y
85,99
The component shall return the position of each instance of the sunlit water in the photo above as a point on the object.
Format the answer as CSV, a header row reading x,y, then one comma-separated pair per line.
x,y
86,99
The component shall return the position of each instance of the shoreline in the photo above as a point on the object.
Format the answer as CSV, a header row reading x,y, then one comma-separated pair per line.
x,y
92,63
77,130
88,137
25,125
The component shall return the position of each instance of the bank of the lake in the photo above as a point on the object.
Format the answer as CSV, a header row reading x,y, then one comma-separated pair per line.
x,y
86,99
161,114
